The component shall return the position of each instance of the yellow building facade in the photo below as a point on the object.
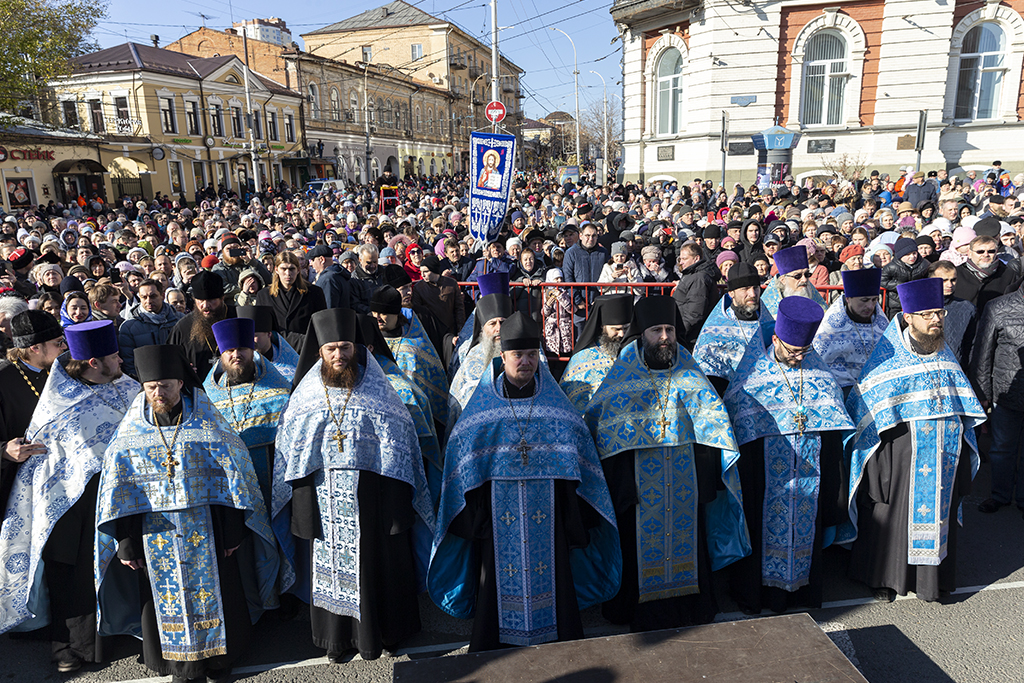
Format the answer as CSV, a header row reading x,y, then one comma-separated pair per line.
x,y
173,123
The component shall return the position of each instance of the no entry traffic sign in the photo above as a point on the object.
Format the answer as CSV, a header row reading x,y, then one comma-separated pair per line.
x,y
495,111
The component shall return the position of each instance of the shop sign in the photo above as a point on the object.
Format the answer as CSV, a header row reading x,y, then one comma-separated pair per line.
x,y
27,155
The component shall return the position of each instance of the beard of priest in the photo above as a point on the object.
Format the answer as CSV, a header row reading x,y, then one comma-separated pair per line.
x,y
926,331
660,346
239,365
611,339
793,287
208,312
746,302
338,370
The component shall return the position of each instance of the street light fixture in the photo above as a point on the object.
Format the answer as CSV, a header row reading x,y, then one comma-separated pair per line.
x,y
576,80
604,150
366,113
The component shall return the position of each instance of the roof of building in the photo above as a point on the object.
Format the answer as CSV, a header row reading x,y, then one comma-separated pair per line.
x,y
139,57
533,123
394,14
19,125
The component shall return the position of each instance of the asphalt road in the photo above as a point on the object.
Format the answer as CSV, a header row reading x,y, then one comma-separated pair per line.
x,y
975,638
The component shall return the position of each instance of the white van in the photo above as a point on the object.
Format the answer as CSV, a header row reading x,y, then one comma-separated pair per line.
x,y
321,184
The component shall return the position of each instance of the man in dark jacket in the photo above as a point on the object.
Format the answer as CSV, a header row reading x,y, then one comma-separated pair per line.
x,y
583,263
999,382
906,265
151,325
918,192
983,277
331,278
696,293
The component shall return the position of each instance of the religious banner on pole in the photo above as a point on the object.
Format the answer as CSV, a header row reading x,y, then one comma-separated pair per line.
x,y
491,166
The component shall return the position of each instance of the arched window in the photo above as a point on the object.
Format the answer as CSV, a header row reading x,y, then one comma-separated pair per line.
x,y
430,120
443,118
314,100
980,78
826,72
353,105
389,120
419,119
370,114
670,92
335,105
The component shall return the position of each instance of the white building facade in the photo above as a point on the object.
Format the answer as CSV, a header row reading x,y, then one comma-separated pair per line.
x,y
851,78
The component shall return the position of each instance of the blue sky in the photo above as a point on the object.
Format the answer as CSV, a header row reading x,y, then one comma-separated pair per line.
x,y
545,54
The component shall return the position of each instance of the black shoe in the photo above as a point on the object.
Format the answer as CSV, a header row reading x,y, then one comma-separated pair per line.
x,y
989,505
336,657
218,675
885,594
182,679
68,662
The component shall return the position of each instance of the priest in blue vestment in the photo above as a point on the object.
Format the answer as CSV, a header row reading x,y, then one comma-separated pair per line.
x,y
270,343
525,512
47,536
913,454
793,279
788,414
179,504
853,324
415,401
597,348
412,349
249,392
669,456
349,485
736,320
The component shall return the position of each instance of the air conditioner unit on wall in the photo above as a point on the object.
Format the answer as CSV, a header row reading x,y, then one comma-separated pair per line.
x,y
373,129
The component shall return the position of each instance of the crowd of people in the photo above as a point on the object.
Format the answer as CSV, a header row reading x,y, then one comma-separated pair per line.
x,y
631,393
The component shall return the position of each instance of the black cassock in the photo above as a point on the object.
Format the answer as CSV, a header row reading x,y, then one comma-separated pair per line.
x,y
879,556
685,610
68,572
745,575
573,516
229,531
201,353
17,403
387,571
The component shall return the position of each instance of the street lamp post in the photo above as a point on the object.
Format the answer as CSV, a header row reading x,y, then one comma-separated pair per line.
x,y
366,116
604,150
576,81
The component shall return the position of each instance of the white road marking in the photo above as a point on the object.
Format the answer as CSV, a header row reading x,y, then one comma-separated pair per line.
x,y
835,630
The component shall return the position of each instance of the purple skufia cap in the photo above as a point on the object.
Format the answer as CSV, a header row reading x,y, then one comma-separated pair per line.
x,y
235,333
791,259
493,283
921,295
94,339
863,282
798,320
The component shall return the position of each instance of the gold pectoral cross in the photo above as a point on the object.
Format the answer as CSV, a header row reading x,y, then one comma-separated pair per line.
x,y
523,449
339,439
170,463
663,423
801,421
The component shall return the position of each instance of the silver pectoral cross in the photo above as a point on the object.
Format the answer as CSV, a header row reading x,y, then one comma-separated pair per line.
x,y
523,449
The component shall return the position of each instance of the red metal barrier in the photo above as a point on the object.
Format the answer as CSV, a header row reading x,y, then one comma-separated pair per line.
x,y
638,288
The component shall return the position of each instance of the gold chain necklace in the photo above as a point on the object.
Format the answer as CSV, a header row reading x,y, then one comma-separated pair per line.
x,y
664,421
339,436
169,462
248,401
522,447
800,414
27,380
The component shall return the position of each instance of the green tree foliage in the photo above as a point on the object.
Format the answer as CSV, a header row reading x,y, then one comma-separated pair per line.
x,y
38,40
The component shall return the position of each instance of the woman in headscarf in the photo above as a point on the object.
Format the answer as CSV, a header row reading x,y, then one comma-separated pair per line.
x,y
75,309
47,277
413,259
